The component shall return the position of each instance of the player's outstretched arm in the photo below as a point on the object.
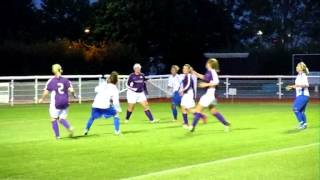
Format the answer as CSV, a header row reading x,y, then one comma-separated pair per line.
x,y
198,75
44,95
72,92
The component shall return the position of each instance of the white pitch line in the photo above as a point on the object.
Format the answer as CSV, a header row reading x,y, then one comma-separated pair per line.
x,y
221,161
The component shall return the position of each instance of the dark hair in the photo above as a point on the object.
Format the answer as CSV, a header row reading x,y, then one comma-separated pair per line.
x,y
113,78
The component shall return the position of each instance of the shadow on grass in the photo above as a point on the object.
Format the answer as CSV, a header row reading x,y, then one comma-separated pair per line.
x,y
134,131
293,131
81,136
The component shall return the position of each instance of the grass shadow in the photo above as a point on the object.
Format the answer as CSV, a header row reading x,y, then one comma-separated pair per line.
x,y
133,131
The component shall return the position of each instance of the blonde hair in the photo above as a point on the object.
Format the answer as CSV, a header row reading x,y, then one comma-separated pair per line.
x,y
304,67
214,64
176,67
189,67
56,68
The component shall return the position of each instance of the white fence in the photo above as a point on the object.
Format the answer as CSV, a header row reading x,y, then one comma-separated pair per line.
x,y
27,89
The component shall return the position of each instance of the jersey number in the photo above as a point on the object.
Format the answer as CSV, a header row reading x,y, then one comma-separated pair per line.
x,y
60,88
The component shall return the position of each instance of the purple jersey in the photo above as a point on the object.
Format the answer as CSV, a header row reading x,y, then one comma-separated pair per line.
x,y
137,82
59,86
187,83
208,77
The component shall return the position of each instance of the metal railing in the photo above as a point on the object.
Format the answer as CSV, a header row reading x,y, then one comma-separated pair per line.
x,y
28,89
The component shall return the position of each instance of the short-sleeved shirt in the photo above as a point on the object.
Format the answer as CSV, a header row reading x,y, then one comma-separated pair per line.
x,y
136,82
174,82
187,83
58,87
107,96
211,77
302,79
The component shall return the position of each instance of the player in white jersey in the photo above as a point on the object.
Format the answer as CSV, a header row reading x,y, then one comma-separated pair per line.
x,y
174,84
106,103
211,80
302,94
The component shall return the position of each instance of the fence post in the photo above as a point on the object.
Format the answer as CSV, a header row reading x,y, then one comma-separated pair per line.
x,y
279,87
227,87
36,90
79,90
12,92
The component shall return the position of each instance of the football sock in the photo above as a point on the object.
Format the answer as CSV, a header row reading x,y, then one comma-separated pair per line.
x,y
149,115
304,117
299,116
185,118
65,123
221,119
55,128
116,122
174,112
128,115
89,123
196,118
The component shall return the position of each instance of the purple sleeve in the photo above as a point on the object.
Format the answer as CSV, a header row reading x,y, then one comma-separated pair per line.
x,y
129,80
50,85
67,84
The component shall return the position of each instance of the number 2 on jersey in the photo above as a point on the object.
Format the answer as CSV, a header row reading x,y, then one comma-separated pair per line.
x,y
60,88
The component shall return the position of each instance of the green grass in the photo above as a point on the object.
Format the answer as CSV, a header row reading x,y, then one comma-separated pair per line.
x,y
28,149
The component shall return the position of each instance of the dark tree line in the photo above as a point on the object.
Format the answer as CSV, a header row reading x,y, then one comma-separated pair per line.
x,y
171,31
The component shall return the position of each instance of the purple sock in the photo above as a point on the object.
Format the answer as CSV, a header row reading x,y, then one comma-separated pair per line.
x,y
202,116
196,118
149,115
221,119
185,118
55,128
128,115
65,123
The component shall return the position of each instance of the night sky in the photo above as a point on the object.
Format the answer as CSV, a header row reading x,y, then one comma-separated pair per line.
x,y
38,2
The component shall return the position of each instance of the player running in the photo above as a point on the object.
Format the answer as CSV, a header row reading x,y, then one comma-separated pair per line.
x,y
106,103
187,91
59,87
174,83
302,94
211,80
136,93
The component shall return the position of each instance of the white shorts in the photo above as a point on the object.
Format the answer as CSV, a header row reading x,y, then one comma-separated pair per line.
x,y
207,99
187,100
58,113
134,97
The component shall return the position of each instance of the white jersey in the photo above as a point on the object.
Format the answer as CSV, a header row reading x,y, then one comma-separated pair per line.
x,y
302,79
174,82
106,92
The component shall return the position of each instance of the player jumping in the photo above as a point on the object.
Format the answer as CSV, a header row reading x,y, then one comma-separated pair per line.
x,y
302,94
59,87
211,80
136,93
106,103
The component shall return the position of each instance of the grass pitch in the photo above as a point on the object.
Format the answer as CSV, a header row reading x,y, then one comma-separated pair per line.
x,y
28,149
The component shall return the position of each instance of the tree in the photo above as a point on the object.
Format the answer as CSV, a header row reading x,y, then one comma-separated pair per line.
x,y
18,20
65,18
286,24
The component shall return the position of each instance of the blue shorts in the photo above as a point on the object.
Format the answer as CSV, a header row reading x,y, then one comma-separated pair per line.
x,y
106,113
300,103
176,98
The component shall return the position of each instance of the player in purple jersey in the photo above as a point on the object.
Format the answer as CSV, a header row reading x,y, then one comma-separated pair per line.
x,y
59,88
136,93
187,91
211,80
